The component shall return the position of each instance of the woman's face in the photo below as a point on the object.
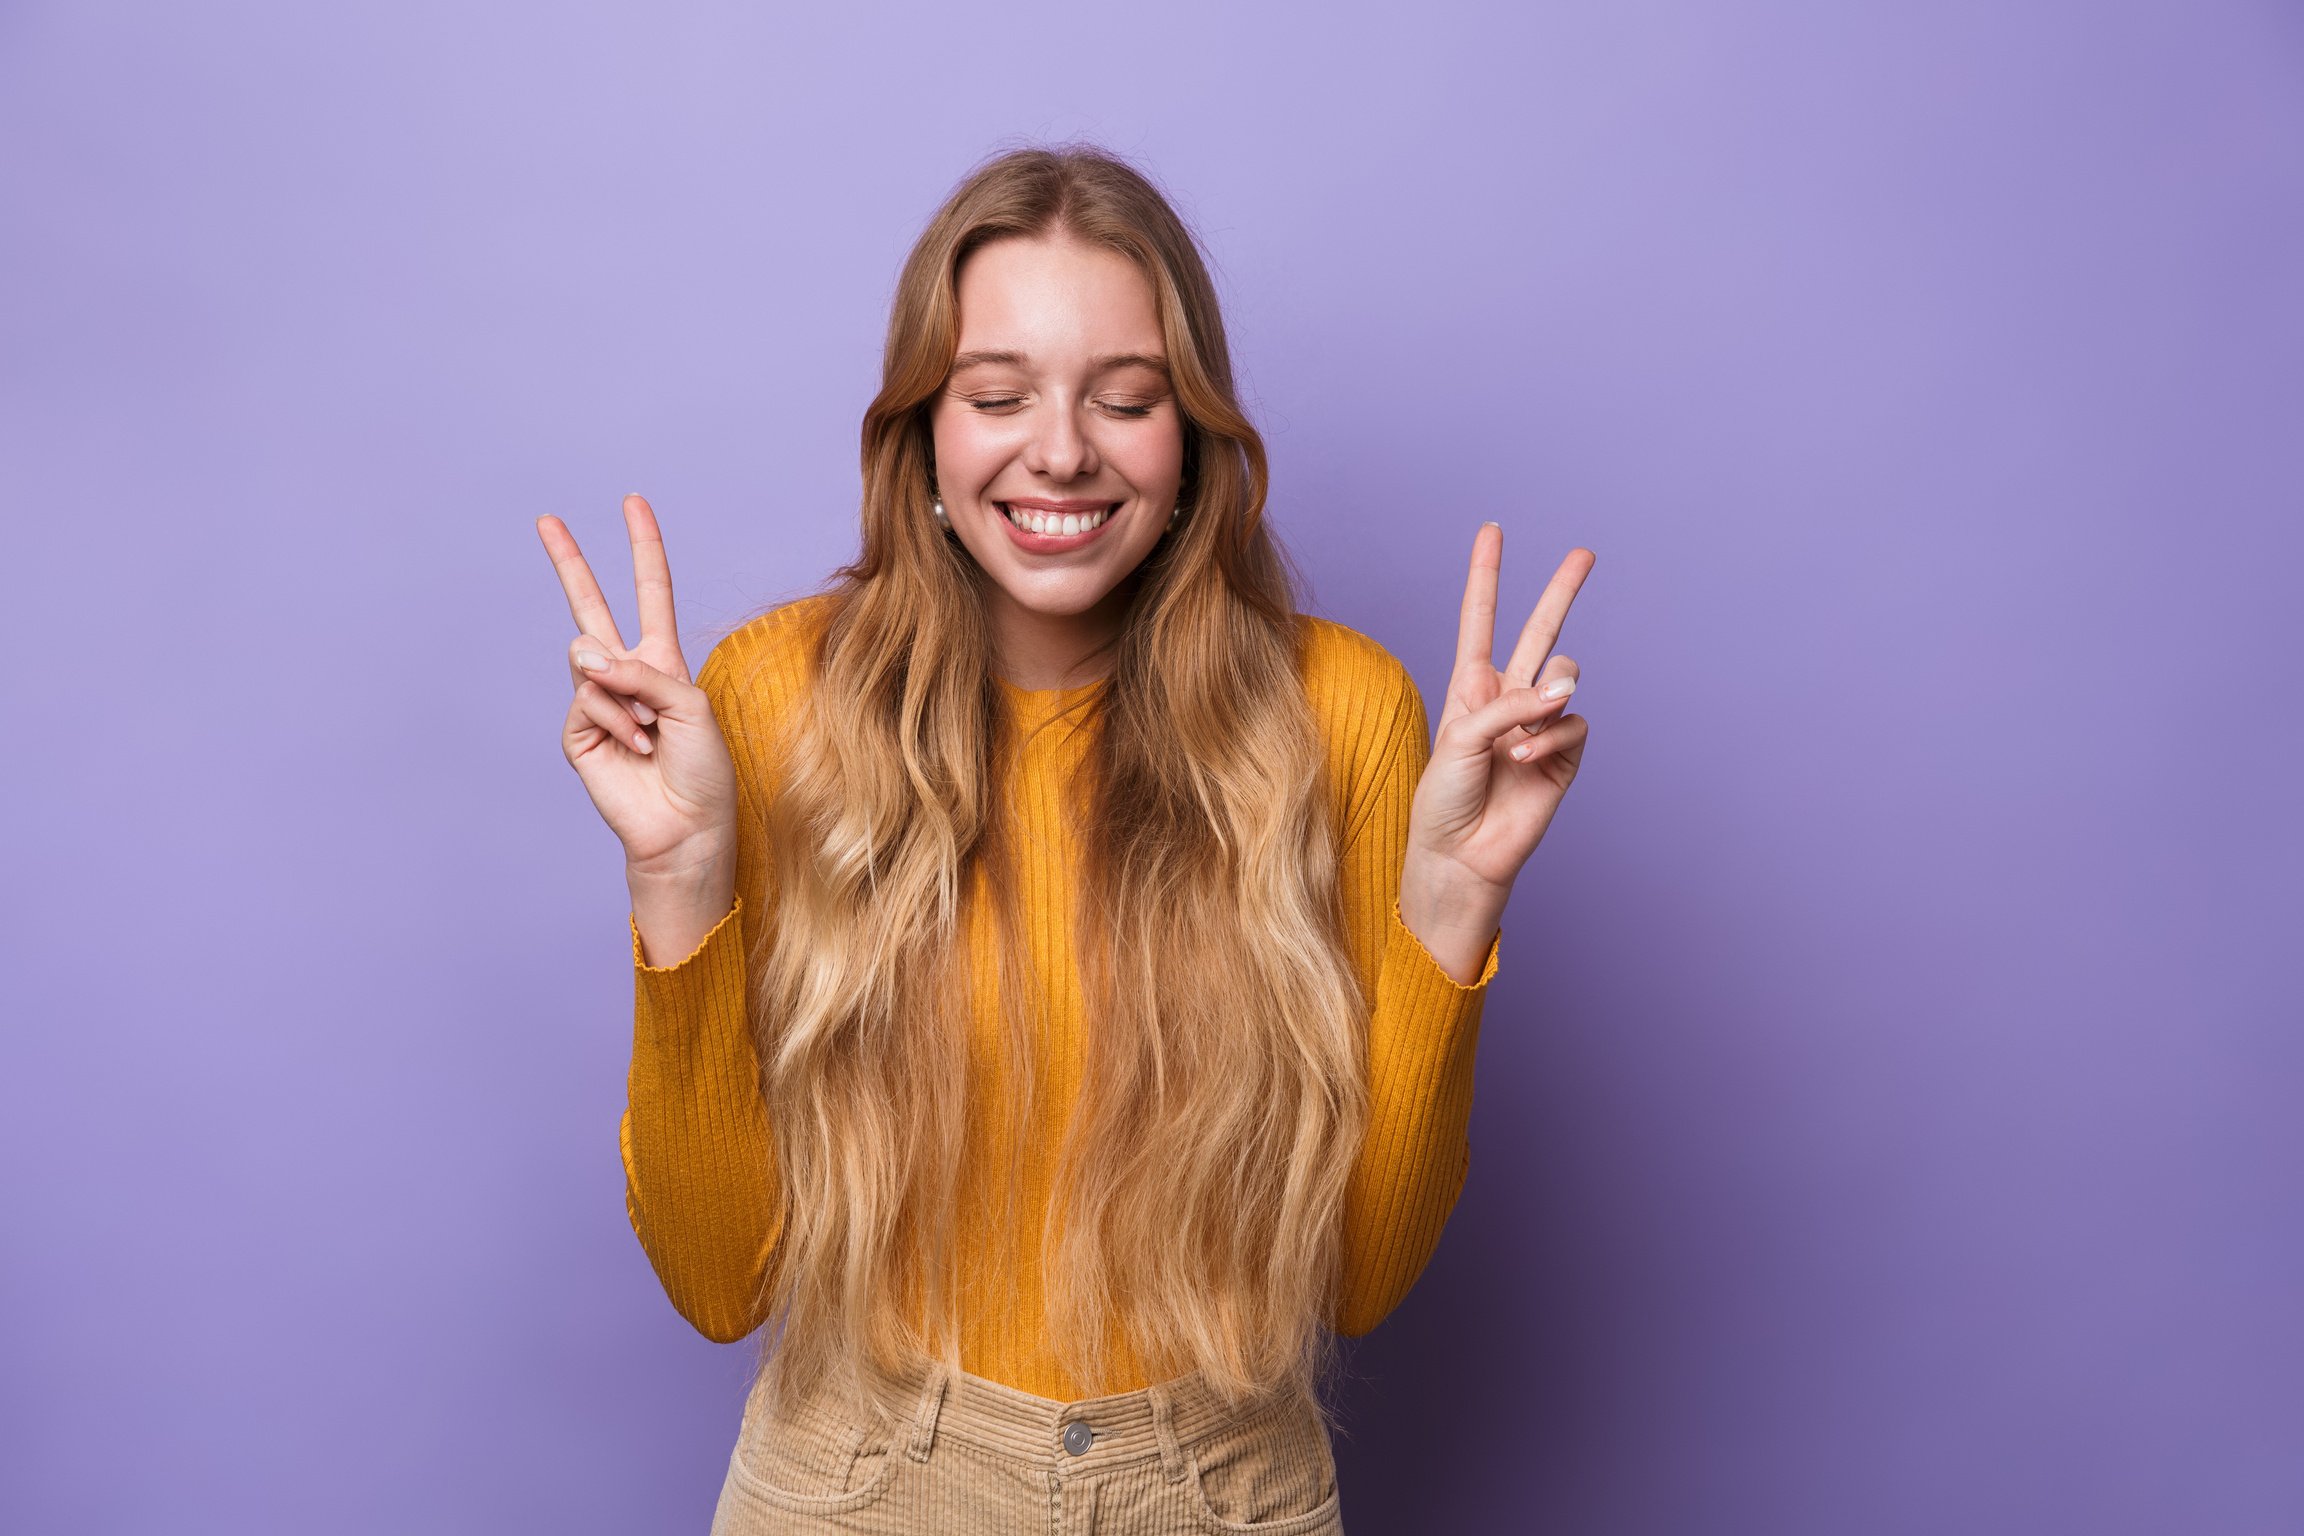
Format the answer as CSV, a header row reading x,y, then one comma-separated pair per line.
x,y
1058,406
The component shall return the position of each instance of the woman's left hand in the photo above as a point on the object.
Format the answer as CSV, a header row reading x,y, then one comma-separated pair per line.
x,y
1482,806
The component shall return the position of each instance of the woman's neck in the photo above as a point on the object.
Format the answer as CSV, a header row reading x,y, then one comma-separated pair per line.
x,y
1042,651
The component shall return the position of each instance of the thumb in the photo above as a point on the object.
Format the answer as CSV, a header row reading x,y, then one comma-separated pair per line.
x,y
1473,734
631,678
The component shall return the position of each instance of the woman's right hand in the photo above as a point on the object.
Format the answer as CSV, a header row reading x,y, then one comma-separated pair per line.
x,y
670,798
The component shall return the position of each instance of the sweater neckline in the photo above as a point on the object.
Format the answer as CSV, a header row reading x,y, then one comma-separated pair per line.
x,y
1039,703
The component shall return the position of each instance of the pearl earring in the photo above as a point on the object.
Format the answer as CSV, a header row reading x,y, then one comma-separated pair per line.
x,y
942,521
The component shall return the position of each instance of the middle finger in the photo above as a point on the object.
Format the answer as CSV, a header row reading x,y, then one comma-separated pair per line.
x,y
1476,619
651,572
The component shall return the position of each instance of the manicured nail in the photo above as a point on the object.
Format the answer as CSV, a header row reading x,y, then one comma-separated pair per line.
x,y
592,661
640,742
1558,688
1520,752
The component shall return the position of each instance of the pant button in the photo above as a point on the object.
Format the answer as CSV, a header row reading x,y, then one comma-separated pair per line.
x,y
1078,1437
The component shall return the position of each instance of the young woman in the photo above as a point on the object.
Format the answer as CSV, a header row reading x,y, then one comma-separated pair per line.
x,y
1058,961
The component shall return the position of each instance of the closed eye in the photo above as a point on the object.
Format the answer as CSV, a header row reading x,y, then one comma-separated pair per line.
x,y
1002,402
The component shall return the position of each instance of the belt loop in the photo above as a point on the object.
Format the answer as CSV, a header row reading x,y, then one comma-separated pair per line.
x,y
924,1419
1164,1428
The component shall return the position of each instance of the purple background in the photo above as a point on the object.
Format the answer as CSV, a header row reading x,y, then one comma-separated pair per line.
x,y
1888,1110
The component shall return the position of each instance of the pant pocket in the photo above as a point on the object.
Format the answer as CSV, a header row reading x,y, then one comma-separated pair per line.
x,y
1272,1472
810,1458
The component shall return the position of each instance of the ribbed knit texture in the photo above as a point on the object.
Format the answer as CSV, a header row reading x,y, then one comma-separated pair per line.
x,y
701,1181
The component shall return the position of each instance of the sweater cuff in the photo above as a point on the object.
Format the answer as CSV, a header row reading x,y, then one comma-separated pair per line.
x,y
640,953
1432,984
1427,1024
680,1001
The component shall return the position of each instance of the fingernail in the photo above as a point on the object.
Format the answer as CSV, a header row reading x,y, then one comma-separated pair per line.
x,y
1491,523
640,742
1520,752
592,661
643,713
1558,688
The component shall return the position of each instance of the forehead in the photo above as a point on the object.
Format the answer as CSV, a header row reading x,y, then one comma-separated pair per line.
x,y
1055,300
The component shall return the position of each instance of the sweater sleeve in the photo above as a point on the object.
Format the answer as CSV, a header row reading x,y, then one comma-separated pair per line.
x,y
1422,1032
700,1177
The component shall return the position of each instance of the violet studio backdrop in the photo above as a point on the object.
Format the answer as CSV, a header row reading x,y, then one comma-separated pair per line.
x,y
1888,1104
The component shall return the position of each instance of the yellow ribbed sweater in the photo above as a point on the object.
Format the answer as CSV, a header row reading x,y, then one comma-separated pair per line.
x,y
700,1173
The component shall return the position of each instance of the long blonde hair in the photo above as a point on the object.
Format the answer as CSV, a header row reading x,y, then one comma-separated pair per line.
x,y
1200,1185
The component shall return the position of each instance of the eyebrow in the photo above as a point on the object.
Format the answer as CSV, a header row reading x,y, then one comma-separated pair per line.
x,y
1107,362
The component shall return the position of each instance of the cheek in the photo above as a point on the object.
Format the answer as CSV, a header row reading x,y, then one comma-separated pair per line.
x,y
966,448
1149,460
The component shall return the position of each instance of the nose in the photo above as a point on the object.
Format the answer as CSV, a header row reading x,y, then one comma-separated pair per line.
x,y
1059,449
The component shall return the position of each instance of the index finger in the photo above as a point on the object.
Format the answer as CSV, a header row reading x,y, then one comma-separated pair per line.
x,y
585,603
1542,630
651,571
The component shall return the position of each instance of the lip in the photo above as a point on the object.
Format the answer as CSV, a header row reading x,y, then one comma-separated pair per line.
x,y
1054,543
1042,504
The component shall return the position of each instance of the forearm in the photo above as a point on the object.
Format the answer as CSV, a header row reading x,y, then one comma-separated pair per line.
x,y
1422,1039
699,1161
1426,943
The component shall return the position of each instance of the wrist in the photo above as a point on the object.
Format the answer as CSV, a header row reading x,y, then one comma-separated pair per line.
x,y
1438,897
693,862
1455,918
704,878
676,906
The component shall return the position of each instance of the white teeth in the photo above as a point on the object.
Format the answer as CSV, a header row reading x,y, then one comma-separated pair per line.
x,y
1060,524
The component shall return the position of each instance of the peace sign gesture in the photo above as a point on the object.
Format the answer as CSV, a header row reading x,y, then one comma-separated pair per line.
x,y
671,798
1503,755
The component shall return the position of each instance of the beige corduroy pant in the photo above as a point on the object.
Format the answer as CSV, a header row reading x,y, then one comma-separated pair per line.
x,y
982,1459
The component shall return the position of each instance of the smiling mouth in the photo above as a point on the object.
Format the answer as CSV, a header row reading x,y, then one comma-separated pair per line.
x,y
1050,538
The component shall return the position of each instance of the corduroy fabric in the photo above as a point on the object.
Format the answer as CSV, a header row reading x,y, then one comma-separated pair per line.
x,y
976,1458
702,1189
